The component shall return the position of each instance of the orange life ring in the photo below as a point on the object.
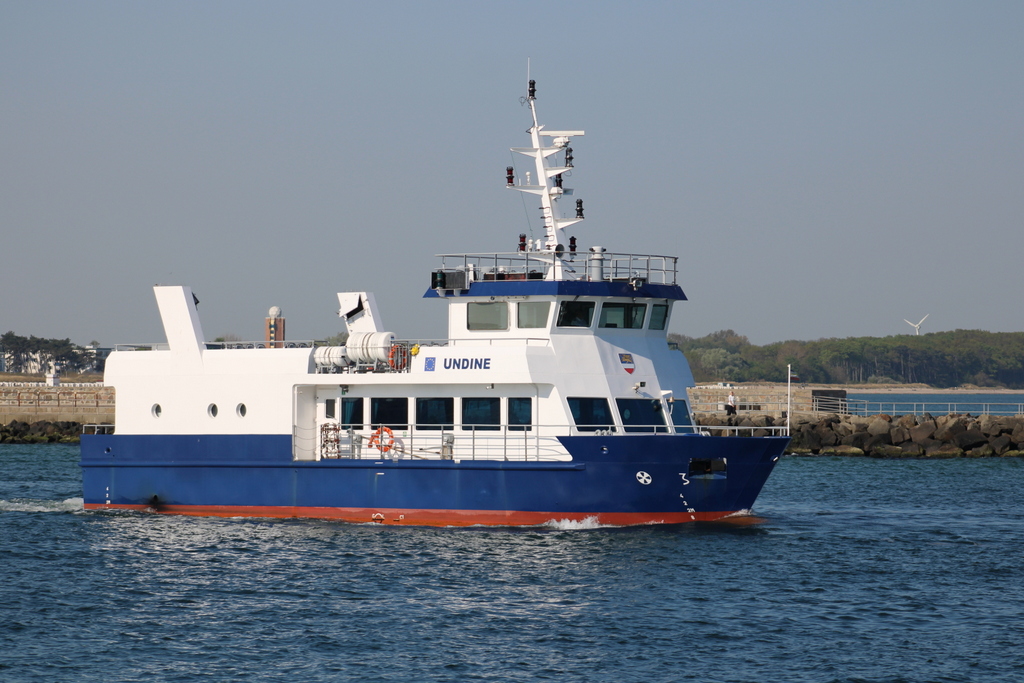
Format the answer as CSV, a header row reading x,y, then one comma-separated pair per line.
x,y
398,356
377,442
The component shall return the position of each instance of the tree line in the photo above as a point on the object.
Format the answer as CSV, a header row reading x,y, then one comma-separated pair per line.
x,y
22,353
939,359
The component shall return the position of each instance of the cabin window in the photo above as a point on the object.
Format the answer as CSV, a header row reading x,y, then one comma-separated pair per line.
x,y
481,414
390,412
156,410
211,410
492,315
591,414
435,413
641,414
628,316
352,413
659,316
520,414
240,410
532,314
681,417
575,313
329,408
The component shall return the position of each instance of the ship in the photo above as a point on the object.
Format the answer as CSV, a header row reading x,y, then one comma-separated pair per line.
x,y
556,398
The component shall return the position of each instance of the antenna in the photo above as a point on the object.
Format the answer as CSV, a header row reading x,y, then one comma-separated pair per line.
x,y
917,327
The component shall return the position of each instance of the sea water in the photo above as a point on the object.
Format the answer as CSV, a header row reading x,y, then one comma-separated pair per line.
x,y
860,571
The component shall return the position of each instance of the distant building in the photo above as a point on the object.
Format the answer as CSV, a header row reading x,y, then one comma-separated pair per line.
x,y
275,328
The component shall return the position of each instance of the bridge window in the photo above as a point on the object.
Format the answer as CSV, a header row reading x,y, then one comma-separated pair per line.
x,y
390,412
591,414
435,413
659,316
681,417
481,414
532,314
641,415
492,315
352,413
520,414
576,313
628,316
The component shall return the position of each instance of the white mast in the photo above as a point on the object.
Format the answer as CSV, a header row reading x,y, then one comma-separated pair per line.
x,y
549,184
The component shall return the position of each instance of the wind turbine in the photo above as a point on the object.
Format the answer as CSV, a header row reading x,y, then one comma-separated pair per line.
x,y
917,327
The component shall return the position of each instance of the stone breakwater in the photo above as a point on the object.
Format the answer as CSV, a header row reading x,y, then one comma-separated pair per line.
x,y
40,432
885,436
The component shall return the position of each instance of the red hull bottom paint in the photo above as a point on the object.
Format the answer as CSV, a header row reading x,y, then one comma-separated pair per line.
x,y
433,517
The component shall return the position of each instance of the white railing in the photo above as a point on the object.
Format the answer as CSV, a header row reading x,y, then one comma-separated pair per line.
x,y
730,430
862,407
851,406
533,265
479,442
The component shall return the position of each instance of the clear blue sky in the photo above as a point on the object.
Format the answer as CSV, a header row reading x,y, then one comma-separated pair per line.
x,y
823,169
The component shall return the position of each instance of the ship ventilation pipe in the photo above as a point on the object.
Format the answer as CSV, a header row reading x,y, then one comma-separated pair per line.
x,y
328,356
369,347
595,264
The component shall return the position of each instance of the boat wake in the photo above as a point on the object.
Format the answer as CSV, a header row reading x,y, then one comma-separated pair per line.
x,y
35,505
575,525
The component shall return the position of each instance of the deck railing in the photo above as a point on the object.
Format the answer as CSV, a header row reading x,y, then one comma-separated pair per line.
x,y
529,265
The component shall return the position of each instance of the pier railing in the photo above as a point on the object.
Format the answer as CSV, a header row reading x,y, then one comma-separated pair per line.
x,y
852,406
862,407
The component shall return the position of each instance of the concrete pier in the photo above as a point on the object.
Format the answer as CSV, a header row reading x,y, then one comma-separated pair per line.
x,y
82,403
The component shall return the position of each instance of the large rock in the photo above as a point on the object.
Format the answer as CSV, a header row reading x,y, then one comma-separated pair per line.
x,y
856,440
899,434
923,432
877,440
887,451
982,451
912,450
1000,444
972,438
948,427
809,438
1017,435
944,450
880,425
989,425
842,428
908,421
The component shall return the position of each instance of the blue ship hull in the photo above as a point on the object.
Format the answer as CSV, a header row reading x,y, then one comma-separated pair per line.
x,y
620,479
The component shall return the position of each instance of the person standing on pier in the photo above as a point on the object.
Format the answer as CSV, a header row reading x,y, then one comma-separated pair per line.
x,y
730,404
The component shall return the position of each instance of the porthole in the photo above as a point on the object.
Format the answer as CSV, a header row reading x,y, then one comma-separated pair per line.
x,y
240,410
156,410
212,410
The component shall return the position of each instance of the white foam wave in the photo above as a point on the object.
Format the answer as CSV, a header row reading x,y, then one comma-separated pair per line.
x,y
33,505
576,525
